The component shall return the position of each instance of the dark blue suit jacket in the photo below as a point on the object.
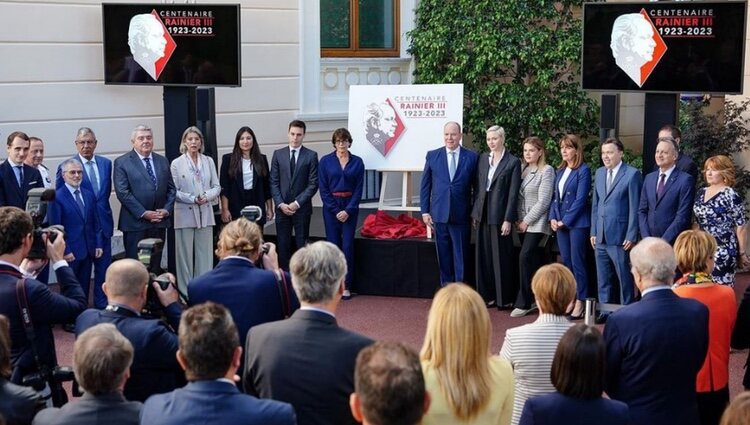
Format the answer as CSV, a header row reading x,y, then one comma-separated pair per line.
x,y
10,194
214,402
104,210
445,200
614,215
673,212
82,233
655,348
301,187
558,409
137,194
572,206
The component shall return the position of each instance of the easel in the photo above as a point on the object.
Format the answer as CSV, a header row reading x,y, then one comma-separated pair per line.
x,y
406,192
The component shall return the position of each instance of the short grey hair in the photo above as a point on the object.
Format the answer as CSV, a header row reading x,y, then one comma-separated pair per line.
x,y
84,131
141,127
101,357
497,129
191,129
65,165
317,270
654,257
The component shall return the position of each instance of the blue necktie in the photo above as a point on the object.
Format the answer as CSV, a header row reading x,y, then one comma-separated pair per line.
x,y
19,175
92,176
79,201
150,171
452,169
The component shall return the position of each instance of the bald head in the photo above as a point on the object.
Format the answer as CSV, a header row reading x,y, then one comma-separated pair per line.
x,y
126,278
653,263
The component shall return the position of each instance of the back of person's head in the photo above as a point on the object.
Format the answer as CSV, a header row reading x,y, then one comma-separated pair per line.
x,y
241,237
208,340
389,385
318,271
554,288
578,366
126,278
15,225
101,359
457,347
738,411
653,259
5,365
694,249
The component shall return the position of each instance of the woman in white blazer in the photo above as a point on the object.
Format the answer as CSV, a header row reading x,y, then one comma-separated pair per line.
x,y
198,188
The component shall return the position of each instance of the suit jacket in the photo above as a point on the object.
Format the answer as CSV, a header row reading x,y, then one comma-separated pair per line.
x,y
233,188
307,361
10,194
155,369
103,409
18,404
614,215
502,198
301,187
555,409
686,164
214,402
667,217
104,210
572,205
741,332
136,193
47,308
655,348
534,199
445,200
82,231
188,214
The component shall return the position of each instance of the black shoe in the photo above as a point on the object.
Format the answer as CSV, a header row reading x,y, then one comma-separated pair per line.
x,y
601,319
69,327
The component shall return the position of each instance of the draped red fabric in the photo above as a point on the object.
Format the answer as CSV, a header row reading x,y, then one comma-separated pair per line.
x,y
383,226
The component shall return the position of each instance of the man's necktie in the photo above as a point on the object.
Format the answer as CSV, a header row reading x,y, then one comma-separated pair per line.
x,y
19,175
150,171
660,186
293,162
92,176
610,175
452,169
79,201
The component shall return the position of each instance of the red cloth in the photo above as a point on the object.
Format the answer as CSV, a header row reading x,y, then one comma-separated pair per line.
x,y
383,226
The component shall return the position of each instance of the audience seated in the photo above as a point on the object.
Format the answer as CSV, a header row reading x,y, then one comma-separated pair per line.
x,y
466,383
210,353
531,348
695,250
738,411
155,369
656,346
578,376
389,386
17,404
308,360
101,359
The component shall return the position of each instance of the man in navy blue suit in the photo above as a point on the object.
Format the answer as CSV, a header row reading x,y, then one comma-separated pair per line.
x,y
684,162
155,369
97,177
614,222
666,206
75,209
210,353
656,346
17,178
448,185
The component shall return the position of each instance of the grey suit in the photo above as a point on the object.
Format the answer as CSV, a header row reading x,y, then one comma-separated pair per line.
x,y
104,409
137,195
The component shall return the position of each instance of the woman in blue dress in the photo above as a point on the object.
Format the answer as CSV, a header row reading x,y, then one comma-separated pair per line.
x,y
341,176
719,210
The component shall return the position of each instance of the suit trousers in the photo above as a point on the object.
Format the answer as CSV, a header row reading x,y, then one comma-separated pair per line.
x,y
452,244
572,243
711,405
300,223
342,235
193,254
82,269
496,280
131,238
613,260
101,265
530,260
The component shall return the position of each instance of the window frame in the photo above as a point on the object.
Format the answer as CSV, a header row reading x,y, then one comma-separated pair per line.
x,y
355,51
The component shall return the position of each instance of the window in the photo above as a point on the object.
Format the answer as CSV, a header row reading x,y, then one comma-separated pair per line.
x,y
359,28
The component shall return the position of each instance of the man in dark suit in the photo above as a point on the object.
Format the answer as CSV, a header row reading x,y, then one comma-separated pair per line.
x,y
97,177
155,369
210,354
666,205
448,184
614,222
307,360
684,163
655,347
17,178
46,307
294,181
145,188
75,208
101,358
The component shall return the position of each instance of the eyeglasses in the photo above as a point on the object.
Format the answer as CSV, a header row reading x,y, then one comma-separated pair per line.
x,y
341,142
74,172
86,142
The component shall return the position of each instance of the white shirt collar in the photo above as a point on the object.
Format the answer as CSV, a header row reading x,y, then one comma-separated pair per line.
x,y
668,172
5,263
73,189
93,159
319,310
616,169
144,157
13,164
655,288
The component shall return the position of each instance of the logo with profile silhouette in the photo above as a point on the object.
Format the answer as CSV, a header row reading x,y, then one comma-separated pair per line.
x,y
636,45
383,126
150,43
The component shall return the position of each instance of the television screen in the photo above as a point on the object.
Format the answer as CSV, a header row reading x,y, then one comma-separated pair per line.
x,y
695,47
172,44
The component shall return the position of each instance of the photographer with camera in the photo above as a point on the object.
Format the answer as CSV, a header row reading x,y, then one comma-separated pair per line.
x,y
33,344
155,369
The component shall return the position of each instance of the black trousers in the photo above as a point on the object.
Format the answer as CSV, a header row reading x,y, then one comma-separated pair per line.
x,y
285,244
530,260
496,276
711,405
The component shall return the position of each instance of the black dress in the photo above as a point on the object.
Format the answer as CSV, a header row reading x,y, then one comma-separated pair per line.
x,y
233,189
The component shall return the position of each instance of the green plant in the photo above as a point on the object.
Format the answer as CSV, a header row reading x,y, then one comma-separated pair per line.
x,y
518,60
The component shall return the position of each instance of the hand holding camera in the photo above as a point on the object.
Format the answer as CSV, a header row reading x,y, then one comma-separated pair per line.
x,y
164,286
269,257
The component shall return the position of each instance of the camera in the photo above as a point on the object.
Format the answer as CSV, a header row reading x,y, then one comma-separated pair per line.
x,y
54,377
252,213
36,207
149,254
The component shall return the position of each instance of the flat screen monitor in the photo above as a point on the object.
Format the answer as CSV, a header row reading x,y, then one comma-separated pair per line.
x,y
671,47
172,44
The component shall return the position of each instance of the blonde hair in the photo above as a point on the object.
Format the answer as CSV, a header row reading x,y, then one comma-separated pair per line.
x,y
723,165
457,348
572,141
186,133
554,288
738,411
693,249
241,237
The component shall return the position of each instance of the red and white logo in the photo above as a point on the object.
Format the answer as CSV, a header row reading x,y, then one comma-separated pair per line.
x,y
636,45
150,43
383,126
